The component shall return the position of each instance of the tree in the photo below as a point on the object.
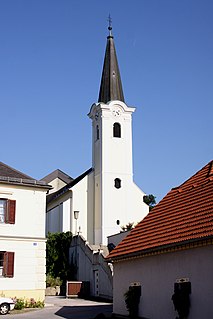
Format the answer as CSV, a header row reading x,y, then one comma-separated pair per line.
x,y
57,255
127,227
149,200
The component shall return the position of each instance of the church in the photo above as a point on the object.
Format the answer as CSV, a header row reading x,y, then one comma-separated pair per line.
x,y
95,205
101,200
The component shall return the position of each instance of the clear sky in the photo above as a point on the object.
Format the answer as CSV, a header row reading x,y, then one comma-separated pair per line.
x,y
51,58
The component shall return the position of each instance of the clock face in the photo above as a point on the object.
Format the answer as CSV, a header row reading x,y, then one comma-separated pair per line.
x,y
116,112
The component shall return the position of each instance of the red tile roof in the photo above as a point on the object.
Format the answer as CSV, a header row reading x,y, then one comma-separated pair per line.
x,y
185,214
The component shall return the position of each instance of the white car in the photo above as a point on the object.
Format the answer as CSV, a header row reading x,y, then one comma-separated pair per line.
x,y
6,304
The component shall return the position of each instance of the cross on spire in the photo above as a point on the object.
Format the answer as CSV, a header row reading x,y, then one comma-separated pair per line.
x,y
110,25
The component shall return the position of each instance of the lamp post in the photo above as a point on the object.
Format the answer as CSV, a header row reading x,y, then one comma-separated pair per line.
x,y
76,215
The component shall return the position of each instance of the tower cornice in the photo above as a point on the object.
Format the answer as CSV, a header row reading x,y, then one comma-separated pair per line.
x,y
109,106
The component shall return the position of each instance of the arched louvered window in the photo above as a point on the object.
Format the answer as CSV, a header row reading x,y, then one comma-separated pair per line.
x,y
116,130
117,183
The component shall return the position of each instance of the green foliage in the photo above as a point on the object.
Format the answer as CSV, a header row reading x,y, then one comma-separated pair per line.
x,y
57,255
39,304
22,303
132,300
127,227
149,200
53,282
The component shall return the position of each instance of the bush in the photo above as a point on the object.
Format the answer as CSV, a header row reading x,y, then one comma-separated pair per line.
x,y
132,300
57,256
53,282
20,303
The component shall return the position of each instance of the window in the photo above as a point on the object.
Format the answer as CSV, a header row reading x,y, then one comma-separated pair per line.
x,y
7,211
116,130
117,183
97,132
1,263
3,209
6,264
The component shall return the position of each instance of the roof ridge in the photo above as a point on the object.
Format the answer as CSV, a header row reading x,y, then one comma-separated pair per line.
x,y
65,188
17,171
210,172
196,179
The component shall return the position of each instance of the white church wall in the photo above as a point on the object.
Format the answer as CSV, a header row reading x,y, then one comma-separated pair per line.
x,y
112,159
66,219
157,275
116,152
80,200
90,208
136,205
58,216
53,220
124,205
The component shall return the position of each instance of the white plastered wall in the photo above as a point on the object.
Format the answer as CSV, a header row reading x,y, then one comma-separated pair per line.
x,y
29,269
26,238
112,158
60,212
82,202
30,211
157,275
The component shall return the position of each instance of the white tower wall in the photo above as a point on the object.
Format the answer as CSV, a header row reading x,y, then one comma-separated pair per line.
x,y
112,159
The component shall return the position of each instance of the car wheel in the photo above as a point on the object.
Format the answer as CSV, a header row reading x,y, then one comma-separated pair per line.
x,y
4,308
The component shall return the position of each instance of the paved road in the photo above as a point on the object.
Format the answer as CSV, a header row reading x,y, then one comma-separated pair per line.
x,y
60,307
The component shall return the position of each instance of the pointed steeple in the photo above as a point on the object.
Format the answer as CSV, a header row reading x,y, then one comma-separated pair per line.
x,y
111,86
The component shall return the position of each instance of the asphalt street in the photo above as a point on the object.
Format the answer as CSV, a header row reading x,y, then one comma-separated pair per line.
x,y
60,307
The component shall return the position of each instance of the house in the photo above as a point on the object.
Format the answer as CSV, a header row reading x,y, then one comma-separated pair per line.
x,y
22,234
168,256
102,199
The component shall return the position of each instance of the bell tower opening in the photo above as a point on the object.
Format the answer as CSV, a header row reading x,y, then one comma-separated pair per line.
x,y
116,130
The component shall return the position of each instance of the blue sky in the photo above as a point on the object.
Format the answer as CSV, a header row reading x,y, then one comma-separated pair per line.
x,y
51,58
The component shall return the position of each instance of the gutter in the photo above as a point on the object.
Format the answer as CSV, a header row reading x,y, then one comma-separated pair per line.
x,y
192,243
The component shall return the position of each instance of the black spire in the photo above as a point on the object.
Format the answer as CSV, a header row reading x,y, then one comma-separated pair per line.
x,y
111,86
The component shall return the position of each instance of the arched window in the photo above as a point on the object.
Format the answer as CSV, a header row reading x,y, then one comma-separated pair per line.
x,y
117,183
97,132
116,130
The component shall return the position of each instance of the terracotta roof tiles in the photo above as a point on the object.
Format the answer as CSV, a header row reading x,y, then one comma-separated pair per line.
x,y
184,214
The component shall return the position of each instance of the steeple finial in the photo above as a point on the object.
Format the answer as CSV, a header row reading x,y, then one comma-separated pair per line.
x,y
110,25
111,85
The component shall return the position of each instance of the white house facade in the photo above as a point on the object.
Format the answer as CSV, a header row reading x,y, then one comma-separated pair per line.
x,y
22,235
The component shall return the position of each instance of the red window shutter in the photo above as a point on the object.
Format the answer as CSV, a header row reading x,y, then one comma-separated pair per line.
x,y
11,211
8,265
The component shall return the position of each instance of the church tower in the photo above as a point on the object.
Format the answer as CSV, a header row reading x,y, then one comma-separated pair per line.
x,y
117,200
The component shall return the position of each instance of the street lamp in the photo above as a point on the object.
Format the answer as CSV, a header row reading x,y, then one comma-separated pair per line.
x,y
76,215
